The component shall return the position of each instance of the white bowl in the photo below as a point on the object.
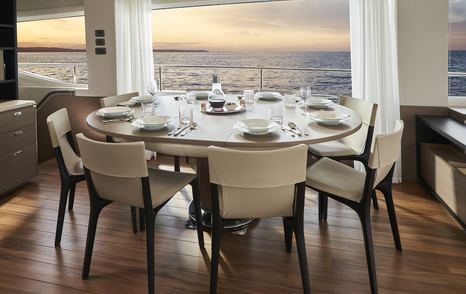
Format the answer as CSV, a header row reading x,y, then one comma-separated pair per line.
x,y
257,126
143,99
155,120
329,117
114,112
318,102
268,96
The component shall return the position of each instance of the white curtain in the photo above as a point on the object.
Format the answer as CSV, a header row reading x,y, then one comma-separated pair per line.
x,y
374,60
135,61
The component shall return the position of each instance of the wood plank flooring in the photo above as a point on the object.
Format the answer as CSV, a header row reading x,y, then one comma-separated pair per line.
x,y
433,260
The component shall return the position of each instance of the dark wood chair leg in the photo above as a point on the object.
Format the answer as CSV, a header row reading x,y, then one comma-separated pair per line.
x,y
142,220
61,212
375,202
71,199
288,229
217,227
134,219
197,208
324,207
96,208
321,200
177,163
150,226
387,193
364,217
298,228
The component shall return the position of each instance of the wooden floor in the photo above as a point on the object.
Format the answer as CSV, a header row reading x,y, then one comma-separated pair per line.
x,y
433,260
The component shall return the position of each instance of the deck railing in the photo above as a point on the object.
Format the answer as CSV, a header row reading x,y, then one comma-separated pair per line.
x,y
74,69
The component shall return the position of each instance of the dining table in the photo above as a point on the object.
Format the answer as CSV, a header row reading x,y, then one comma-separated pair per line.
x,y
218,130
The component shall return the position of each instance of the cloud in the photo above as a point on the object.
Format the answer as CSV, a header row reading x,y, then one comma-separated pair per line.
x,y
457,11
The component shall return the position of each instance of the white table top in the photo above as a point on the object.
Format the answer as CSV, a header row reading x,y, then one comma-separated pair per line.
x,y
218,129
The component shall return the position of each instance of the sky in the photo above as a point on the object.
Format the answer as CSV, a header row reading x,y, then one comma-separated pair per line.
x,y
299,25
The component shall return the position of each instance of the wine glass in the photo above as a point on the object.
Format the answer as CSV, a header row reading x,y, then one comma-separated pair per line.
x,y
152,87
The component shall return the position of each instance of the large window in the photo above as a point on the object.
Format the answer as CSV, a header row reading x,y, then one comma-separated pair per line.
x,y
287,35
54,48
457,46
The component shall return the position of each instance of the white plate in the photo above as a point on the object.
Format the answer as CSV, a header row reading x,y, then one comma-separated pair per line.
x,y
329,117
114,112
143,99
155,121
139,124
318,102
257,126
268,96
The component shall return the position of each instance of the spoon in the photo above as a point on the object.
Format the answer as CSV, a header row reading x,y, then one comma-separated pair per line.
x,y
293,126
192,126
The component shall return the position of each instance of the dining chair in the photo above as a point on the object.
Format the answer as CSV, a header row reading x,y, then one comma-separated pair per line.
x,y
119,173
69,163
354,188
355,147
258,184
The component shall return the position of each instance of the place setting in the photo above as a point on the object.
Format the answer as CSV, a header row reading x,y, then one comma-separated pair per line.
x,y
115,114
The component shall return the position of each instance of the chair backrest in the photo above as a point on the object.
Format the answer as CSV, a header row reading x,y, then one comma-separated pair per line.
x,y
114,100
385,151
115,170
255,184
59,127
368,112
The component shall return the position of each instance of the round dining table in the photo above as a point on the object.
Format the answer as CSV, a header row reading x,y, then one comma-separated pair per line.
x,y
218,130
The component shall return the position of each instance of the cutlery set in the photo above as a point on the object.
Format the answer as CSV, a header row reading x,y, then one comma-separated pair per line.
x,y
293,130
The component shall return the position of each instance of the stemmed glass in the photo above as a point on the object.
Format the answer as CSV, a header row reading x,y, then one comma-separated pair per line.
x,y
152,89
305,93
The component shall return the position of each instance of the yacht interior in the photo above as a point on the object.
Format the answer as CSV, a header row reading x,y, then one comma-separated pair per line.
x,y
125,185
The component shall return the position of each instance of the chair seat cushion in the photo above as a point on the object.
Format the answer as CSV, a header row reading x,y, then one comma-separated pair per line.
x,y
164,184
336,178
332,148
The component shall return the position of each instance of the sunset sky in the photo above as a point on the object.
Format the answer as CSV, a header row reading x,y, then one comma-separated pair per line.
x,y
301,25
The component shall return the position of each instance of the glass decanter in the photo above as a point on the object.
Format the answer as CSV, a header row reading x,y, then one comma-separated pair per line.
x,y
216,98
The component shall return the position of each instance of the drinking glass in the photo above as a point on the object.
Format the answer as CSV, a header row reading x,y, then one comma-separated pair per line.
x,y
185,114
305,92
290,100
152,89
147,109
276,114
190,97
248,96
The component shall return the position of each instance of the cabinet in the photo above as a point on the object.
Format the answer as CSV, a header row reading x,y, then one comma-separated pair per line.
x,y
18,143
8,50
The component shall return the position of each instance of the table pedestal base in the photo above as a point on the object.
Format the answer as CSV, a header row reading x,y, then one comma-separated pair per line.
x,y
229,224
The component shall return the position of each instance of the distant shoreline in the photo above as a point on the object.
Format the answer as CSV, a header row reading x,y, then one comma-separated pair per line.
x,y
55,49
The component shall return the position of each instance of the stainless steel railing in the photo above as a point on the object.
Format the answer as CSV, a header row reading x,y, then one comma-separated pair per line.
x,y
75,69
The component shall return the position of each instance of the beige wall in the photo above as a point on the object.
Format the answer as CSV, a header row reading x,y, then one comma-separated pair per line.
x,y
423,52
100,15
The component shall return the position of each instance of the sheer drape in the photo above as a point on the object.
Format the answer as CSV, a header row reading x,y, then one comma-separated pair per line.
x,y
135,61
374,60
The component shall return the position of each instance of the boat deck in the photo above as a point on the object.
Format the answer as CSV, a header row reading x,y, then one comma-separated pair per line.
x,y
433,260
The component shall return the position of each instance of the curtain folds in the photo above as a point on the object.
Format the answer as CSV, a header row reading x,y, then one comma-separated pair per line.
x,y
374,60
135,60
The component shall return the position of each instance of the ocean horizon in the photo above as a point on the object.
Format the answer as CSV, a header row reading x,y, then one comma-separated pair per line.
x,y
333,83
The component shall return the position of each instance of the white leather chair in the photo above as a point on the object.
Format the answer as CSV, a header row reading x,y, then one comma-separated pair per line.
x,y
119,173
354,188
355,147
69,163
258,184
114,100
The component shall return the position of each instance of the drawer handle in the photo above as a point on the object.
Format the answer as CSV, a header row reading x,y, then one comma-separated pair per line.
x,y
18,133
19,153
18,113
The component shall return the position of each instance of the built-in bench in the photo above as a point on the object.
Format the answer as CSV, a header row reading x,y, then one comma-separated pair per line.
x,y
441,161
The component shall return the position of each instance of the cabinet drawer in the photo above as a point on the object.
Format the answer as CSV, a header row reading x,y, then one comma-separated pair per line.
x,y
18,138
17,167
17,118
